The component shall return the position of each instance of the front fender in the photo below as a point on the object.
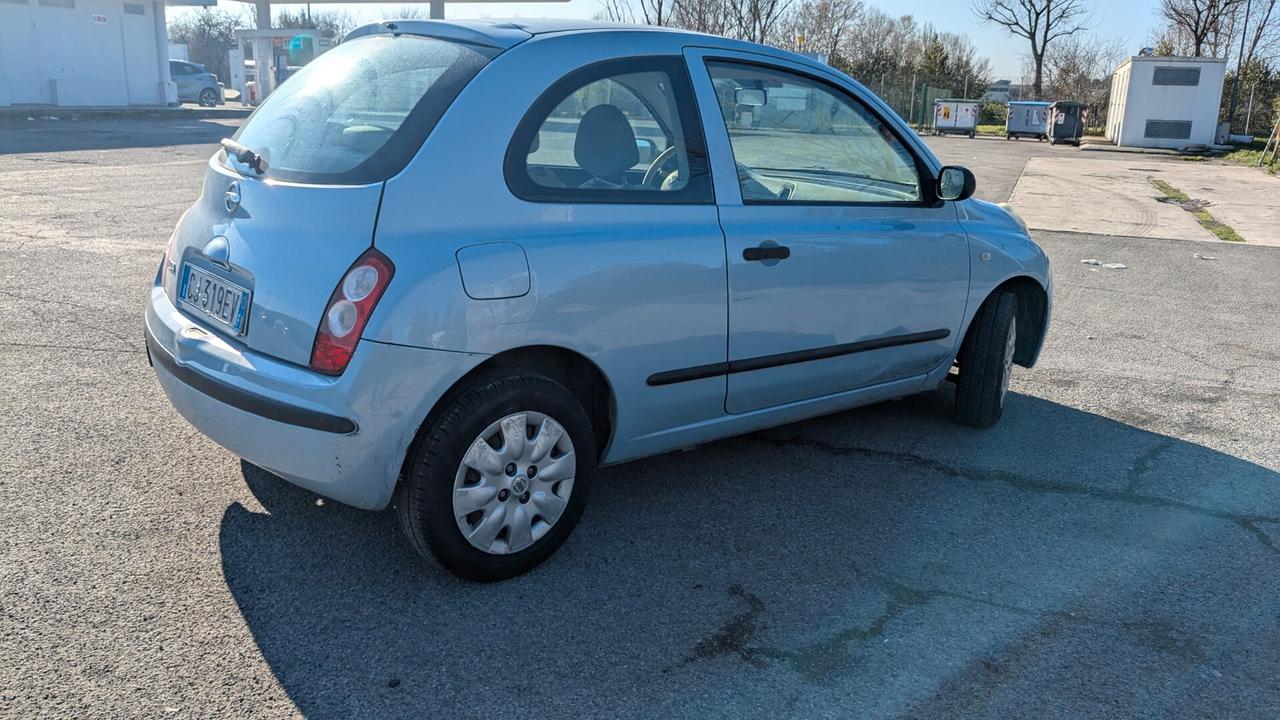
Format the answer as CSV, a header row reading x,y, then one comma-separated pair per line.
x,y
1002,254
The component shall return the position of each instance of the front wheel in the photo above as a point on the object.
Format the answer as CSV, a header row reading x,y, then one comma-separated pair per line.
x,y
500,478
986,361
208,98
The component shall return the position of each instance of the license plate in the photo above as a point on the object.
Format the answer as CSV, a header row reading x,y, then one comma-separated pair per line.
x,y
214,297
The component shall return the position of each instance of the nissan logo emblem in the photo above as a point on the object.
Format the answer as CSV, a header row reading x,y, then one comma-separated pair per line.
x,y
232,197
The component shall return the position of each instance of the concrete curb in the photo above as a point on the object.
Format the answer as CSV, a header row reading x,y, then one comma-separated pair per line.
x,y
1099,147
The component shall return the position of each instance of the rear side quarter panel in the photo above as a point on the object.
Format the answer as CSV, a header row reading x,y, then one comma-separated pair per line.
x,y
636,289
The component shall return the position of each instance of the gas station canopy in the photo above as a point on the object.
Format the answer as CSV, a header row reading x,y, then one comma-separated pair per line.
x,y
437,6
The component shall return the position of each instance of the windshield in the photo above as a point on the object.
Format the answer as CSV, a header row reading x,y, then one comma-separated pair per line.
x,y
359,112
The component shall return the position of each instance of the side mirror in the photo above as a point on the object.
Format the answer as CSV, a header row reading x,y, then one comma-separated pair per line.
x,y
956,183
647,149
751,97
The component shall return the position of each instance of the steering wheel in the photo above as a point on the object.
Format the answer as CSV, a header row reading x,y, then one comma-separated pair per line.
x,y
655,167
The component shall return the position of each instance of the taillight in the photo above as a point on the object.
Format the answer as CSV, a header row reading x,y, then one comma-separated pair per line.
x,y
167,267
348,310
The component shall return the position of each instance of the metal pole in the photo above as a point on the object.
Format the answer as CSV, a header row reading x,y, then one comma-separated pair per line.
x,y
1248,116
924,99
1244,40
437,9
911,106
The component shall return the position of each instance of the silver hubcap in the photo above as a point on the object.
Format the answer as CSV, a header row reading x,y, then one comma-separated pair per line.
x,y
1008,360
514,483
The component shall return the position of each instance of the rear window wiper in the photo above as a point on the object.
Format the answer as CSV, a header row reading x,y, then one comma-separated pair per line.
x,y
246,156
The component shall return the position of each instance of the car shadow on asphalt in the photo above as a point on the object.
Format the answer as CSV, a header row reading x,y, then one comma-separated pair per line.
x,y
885,558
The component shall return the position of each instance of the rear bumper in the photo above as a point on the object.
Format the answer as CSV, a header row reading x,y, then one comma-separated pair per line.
x,y
344,437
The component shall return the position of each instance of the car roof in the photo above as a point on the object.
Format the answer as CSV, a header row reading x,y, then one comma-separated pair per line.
x,y
505,34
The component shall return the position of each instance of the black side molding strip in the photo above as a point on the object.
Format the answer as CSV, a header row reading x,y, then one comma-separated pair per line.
x,y
699,372
249,402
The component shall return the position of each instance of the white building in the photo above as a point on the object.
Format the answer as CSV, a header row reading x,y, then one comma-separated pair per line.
x,y
1165,102
84,53
997,91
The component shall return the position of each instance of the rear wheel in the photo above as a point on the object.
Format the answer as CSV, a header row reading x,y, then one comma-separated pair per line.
x,y
500,478
208,98
986,361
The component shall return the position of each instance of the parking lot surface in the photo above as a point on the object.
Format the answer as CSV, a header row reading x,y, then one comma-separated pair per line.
x,y
1112,548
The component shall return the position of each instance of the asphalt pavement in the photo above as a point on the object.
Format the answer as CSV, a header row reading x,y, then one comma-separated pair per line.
x,y
1110,549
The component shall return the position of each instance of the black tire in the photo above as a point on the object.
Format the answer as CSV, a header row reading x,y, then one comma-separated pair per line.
x,y
424,500
208,97
985,361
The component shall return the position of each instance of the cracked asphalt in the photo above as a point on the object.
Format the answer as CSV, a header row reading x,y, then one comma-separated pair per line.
x,y
1110,549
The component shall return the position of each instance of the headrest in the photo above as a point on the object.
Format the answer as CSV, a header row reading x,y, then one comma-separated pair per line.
x,y
605,145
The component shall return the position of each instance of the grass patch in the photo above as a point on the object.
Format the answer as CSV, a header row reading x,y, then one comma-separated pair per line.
x,y
1250,157
1194,158
1220,229
1170,191
991,130
1173,195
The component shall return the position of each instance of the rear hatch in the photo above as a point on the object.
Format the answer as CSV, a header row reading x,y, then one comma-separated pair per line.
x,y
275,229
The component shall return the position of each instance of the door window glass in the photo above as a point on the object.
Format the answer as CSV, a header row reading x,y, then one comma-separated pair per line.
x,y
611,136
799,140
597,130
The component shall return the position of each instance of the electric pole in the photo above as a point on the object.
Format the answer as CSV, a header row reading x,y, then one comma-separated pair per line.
x,y
1235,84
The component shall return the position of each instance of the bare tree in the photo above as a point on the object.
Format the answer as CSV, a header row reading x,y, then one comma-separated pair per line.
x,y
209,34
708,16
656,12
1041,22
819,26
1206,23
616,11
755,20
331,23
1079,68
1262,39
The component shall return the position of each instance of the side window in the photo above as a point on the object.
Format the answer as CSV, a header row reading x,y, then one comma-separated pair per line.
x,y
177,68
800,140
621,131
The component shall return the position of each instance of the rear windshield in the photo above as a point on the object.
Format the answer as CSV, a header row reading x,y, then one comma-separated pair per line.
x,y
359,112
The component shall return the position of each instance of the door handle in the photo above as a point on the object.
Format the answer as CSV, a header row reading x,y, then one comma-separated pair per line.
x,y
766,252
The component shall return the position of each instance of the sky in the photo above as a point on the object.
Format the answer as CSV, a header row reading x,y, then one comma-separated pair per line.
x,y
1129,22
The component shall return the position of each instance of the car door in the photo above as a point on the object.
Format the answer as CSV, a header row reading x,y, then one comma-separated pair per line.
x,y
844,273
190,85
181,78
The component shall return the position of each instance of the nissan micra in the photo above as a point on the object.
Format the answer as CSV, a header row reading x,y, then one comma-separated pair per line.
x,y
457,266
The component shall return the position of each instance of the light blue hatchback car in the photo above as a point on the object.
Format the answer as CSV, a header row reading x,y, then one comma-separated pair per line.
x,y
455,266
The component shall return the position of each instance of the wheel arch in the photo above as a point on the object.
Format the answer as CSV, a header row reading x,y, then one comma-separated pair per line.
x,y
570,368
1032,316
